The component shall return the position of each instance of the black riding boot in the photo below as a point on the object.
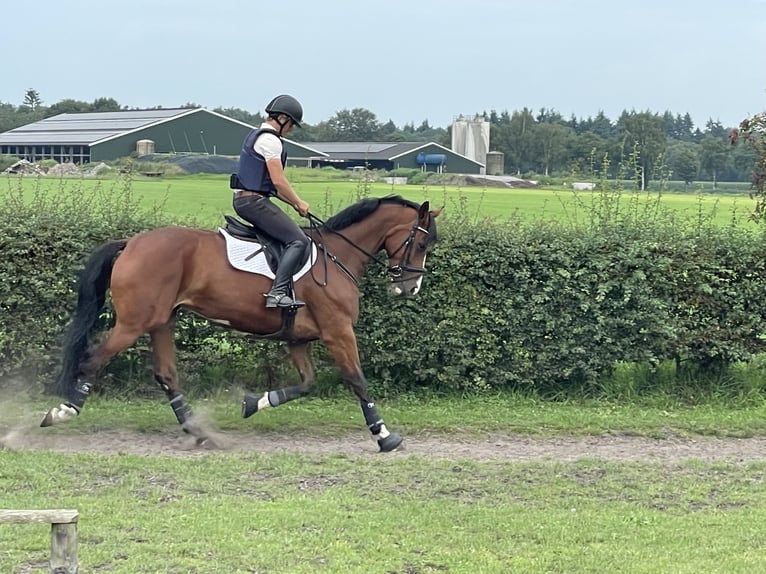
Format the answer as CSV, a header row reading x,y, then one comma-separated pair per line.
x,y
279,296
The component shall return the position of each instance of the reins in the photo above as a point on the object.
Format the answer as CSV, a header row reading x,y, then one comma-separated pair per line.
x,y
316,225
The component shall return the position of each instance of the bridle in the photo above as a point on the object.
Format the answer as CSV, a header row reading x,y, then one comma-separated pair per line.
x,y
395,272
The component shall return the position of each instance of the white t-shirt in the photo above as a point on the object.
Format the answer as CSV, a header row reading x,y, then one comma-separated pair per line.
x,y
268,145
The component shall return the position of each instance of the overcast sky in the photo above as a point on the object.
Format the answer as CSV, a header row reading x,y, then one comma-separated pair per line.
x,y
404,60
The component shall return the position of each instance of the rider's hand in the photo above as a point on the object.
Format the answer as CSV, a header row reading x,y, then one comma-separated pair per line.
x,y
302,207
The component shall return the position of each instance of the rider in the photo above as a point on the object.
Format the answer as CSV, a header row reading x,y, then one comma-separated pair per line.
x,y
261,177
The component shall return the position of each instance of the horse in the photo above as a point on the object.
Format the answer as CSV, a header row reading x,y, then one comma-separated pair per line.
x,y
155,273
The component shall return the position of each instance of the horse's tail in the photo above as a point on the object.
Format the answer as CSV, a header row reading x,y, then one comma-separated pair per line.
x,y
91,295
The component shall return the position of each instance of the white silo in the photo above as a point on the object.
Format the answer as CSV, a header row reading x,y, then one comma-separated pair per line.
x,y
470,137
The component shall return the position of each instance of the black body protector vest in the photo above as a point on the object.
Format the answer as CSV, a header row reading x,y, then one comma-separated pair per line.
x,y
252,172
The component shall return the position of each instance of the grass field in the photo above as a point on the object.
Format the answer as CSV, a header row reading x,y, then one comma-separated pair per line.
x,y
357,512
149,507
204,199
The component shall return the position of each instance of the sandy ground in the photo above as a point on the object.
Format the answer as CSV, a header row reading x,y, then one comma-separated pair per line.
x,y
501,447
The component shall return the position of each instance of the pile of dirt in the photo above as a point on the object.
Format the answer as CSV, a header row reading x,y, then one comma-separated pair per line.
x,y
501,181
64,170
97,169
24,167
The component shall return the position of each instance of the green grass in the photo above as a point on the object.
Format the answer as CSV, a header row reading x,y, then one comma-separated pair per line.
x,y
291,514
211,512
206,198
226,512
651,416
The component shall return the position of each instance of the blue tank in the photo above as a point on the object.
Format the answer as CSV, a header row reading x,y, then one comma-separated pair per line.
x,y
431,158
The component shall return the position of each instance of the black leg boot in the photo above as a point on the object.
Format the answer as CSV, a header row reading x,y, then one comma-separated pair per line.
x,y
280,296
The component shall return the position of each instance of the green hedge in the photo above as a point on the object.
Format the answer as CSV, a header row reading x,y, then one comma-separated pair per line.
x,y
519,304
548,306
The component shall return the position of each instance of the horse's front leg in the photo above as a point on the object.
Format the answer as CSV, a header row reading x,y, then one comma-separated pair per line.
x,y
344,349
300,354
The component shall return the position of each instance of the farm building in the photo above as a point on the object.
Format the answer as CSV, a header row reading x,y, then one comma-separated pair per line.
x,y
426,156
103,136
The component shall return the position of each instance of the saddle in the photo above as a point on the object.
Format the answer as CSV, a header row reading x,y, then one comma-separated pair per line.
x,y
271,251
270,247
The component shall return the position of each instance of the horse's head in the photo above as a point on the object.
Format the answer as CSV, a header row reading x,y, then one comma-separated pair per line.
x,y
407,246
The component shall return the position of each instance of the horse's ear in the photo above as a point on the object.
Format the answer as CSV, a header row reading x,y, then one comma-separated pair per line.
x,y
423,212
437,212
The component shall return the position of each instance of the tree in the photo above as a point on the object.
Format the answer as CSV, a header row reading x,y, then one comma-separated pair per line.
x,y
358,124
713,156
241,115
642,137
546,116
552,139
753,131
32,100
587,152
685,127
743,158
389,128
683,160
601,126
105,105
518,137
715,128
68,106
7,117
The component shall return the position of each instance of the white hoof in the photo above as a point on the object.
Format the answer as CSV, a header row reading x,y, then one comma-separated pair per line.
x,y
59,414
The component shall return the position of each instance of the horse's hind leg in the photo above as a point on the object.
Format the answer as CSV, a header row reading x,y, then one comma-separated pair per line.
x,y
164,362
300,354
120,338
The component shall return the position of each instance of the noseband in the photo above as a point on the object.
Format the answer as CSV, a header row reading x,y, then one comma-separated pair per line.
x,y
396,272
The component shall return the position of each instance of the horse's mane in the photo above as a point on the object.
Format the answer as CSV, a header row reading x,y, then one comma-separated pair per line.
x,y
362,209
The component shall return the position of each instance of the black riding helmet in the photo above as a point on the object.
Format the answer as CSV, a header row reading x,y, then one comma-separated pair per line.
x,y
288,106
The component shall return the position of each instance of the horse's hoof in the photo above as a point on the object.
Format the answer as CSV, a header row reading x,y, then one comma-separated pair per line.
x,y
391,442
249,406
63,412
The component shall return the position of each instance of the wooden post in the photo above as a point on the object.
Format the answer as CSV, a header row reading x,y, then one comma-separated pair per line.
x,y
63,534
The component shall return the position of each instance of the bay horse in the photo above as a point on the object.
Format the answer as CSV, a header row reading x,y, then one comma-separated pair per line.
x,y
154,273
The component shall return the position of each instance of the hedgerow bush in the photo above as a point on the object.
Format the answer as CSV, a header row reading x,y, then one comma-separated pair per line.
x,y
523,304
550,306
45,240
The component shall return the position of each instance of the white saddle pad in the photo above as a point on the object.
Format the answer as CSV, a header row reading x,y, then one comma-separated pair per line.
x,y
249,256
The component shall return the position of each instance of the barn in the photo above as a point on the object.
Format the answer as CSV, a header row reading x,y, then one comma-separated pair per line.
x,y
425,156
104,136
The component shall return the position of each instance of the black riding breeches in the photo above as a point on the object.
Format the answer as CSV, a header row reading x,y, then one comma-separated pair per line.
x,y
269,219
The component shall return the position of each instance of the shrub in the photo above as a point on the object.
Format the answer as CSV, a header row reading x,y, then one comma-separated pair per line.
x,y
540,305
7,161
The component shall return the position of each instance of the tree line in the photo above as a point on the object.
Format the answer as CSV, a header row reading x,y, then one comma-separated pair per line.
x,y
652,145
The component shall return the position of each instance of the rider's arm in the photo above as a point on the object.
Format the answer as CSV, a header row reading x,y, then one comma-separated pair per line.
x,y
286,193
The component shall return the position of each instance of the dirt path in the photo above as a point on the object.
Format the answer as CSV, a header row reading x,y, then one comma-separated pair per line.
x,y
492,447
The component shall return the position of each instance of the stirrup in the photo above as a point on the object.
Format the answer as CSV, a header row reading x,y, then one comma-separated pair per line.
x,y
282,301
